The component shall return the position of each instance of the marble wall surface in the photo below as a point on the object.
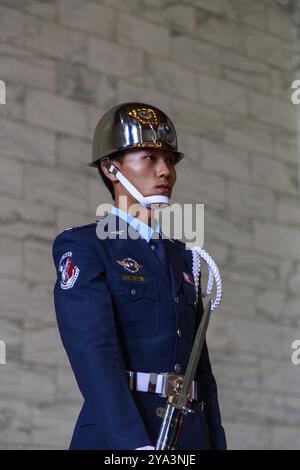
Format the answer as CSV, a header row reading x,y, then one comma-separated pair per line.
x,y
222,69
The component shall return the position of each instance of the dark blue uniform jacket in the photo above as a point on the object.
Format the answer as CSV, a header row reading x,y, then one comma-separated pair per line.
x,y
112,320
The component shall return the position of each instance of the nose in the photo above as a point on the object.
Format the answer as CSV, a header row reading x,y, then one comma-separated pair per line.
x,y
162,168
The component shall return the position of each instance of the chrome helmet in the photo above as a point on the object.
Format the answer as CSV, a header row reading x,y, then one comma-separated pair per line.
x,y
133,125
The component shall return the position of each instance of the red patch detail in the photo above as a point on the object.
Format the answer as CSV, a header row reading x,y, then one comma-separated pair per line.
x,y
188,278
70,267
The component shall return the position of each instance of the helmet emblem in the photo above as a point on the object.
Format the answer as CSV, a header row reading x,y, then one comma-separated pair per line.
x,y
144,116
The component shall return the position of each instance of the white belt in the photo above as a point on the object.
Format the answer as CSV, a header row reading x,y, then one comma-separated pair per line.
x,y
163,384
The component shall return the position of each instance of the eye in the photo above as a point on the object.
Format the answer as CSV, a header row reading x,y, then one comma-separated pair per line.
x,y
152,157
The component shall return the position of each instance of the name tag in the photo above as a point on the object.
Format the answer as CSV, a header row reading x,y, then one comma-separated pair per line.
x,y
131,277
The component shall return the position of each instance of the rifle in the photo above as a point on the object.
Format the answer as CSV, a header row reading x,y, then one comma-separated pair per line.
x,y
176,408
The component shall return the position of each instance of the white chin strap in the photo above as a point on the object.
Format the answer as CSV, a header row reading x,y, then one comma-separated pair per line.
x,y
145,201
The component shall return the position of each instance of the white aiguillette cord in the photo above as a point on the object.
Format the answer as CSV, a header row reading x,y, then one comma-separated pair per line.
x,y
213,274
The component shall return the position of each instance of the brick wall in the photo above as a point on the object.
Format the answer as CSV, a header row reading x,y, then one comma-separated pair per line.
x,y
222,69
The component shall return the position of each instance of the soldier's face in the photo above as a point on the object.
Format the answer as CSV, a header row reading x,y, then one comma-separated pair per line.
x,y
149,170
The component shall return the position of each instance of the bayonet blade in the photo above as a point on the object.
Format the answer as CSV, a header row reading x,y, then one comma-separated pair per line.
x,y
194,357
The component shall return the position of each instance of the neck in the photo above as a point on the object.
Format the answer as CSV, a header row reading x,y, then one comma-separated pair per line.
x,y
135,209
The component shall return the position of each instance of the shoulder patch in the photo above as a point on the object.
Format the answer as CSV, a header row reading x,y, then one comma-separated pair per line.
x,y
68,272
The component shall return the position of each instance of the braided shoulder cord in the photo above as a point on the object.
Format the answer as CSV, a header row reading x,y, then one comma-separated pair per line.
x,y
213,274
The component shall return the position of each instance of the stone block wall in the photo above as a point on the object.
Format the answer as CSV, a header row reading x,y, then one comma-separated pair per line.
x,y
222,70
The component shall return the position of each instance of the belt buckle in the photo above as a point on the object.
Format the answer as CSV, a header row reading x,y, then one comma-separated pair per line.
x,y
172,384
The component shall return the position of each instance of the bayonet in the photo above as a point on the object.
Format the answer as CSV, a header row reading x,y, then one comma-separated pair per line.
x,y
177,406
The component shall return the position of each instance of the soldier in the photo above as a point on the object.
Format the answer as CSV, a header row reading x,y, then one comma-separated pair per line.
x,y
126,306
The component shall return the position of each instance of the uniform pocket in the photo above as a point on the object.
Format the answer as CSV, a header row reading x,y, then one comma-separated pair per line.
x,y
136,305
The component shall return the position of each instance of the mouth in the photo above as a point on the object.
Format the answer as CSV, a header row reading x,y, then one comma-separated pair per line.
x,y
163,189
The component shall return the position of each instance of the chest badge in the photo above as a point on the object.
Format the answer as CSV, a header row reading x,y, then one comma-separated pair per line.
x,y
130,265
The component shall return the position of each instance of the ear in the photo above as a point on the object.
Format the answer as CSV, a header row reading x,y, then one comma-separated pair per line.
x,y
104,168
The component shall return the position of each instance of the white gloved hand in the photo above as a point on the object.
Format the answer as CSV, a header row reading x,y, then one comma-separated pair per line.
x,y
145,448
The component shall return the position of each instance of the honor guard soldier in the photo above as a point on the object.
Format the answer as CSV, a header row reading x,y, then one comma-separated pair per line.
x,y
126,303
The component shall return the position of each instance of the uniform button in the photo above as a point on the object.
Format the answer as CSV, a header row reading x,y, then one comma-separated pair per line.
x,y
133,291
179,333
176,299
177,368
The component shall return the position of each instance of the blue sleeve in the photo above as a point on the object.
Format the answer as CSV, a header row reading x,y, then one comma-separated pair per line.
x,y
86,323
209,395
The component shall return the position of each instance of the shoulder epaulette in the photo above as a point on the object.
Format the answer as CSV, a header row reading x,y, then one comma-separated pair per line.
x,y
79,227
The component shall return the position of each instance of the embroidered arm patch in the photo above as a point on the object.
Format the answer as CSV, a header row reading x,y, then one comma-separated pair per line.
x,y
68,272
